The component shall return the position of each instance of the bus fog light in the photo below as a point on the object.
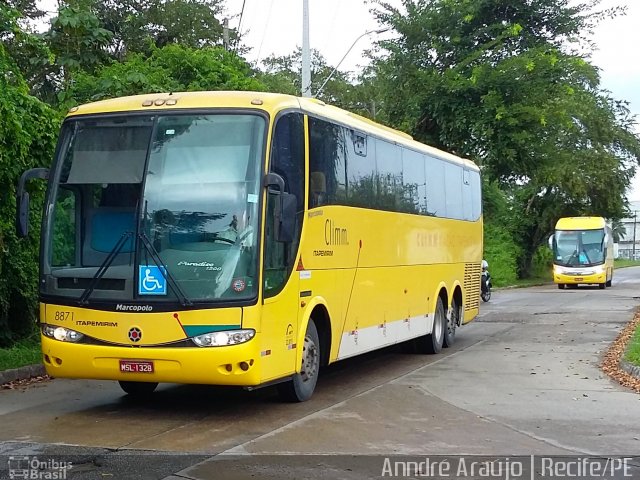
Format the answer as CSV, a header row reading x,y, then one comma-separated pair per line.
x,y
220,339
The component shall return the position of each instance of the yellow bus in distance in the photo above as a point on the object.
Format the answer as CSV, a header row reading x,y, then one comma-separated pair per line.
x,y
582,252
243,238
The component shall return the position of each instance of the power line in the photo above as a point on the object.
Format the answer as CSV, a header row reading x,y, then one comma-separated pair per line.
x,y
240,23
264,33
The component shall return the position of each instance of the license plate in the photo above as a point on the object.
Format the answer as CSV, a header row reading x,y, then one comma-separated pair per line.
x,y
136,366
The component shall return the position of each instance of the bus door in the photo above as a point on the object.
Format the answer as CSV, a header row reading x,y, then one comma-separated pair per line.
x,y
281,282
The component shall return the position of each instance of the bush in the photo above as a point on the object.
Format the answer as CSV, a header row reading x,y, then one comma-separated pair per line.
x,y
542,263
502,253
28,130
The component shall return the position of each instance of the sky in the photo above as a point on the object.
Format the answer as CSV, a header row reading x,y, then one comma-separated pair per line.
x,y
275,27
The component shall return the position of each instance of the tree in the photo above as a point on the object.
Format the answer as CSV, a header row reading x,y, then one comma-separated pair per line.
x,y
173,68
27,51
493,80
27,139
137,25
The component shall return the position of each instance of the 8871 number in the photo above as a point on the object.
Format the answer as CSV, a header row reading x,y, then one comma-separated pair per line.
x,y
61,316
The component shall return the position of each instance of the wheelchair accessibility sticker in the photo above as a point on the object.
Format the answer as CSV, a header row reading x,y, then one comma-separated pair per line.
x,y
152,280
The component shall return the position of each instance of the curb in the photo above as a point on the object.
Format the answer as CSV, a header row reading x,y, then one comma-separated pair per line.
x,y
631,369
22,373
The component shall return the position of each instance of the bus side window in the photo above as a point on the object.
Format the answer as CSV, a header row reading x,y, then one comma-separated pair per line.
x,y
287,160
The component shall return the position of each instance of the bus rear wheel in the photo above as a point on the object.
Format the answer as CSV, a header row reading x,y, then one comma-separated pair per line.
x,y
433,342
301,386
138,389
453,320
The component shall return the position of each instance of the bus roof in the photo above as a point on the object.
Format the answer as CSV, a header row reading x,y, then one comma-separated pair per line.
x,y
269,102
580,223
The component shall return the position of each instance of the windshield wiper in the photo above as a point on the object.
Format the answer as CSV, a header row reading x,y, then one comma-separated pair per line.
x,y
155,256
104,266
177,290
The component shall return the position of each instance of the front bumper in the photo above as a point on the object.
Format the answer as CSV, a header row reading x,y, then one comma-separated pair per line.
x,y
230,365
580,279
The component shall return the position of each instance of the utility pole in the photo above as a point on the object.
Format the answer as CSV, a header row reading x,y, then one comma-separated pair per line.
x,y
306,53
225,33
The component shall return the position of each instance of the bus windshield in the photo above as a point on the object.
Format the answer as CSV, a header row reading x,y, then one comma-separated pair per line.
x,y
160,205
576,248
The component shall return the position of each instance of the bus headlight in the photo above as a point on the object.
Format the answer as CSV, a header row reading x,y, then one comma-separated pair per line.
x,y
221,339
62,334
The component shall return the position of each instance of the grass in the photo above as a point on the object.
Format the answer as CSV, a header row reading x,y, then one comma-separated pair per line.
x,y
633,349
625,262
24,352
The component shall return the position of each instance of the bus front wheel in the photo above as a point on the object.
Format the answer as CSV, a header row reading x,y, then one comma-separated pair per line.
x,y
561,286
138,389
301,386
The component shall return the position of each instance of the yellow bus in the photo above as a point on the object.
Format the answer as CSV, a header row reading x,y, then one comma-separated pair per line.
x,y
582,252
242,238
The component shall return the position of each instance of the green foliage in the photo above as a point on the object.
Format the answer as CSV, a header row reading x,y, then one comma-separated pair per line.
x,y
625,262
501,252
77,38
173,68
28,130
24,352
27,52
542,262
139,25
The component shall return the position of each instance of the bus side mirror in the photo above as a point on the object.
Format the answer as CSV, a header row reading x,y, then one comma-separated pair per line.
x,y
550,241
285,217
22,219
284,208
22,199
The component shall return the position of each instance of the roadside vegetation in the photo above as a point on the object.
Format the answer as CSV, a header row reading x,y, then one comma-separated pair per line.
x,y
23,352
633,349
625,262
512,89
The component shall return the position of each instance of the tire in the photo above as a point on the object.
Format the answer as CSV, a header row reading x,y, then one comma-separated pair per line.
x,y
433,342
452,321
138,389
301,386
486,296
602,286
561,286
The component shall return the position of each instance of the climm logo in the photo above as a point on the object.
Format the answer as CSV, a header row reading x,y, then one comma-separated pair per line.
x,y
333,234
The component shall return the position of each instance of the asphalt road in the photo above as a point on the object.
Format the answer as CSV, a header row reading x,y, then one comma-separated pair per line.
x,y
523,379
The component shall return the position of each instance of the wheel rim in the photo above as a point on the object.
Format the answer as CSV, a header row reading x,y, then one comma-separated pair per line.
x,y
310,360
438,327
